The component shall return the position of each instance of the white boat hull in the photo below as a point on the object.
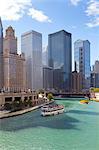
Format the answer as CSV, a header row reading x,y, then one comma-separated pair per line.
x,y
50,113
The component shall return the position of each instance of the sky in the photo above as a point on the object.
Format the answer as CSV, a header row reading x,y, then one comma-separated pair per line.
x,y
79,17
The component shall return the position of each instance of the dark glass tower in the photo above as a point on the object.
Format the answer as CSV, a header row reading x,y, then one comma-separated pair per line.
x,y
60,59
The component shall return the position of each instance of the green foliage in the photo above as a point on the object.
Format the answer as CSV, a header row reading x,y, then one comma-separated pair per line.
x,y
8,106
25,103
50,96
17,105
30,103
94,90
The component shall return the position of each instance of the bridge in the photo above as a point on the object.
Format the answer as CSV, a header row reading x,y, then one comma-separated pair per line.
x,y
71,95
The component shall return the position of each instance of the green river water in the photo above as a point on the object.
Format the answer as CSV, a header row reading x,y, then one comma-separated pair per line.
x,y
76,129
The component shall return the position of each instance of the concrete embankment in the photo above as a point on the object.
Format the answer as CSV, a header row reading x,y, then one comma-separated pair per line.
x,y
12,114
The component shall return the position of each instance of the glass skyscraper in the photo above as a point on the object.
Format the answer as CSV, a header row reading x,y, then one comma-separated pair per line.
x,y
31,45
60,59
82,59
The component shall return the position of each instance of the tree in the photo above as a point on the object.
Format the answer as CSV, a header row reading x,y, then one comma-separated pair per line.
x,y
8,106
17,105
95,90
30,103
50,96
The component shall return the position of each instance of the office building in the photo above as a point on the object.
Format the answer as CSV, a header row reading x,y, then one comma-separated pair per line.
x,y
60,59
94,80
96,67
95,75
1,55
47,78
82,59
13,64
45,56
1,37
31,45
10,41
76,81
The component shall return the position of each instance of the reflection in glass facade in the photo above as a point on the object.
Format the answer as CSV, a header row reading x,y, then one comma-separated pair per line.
x,y
60,59
31,45
82,59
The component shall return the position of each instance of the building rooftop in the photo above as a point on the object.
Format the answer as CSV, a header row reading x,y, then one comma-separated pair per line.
x,y
31,31
79,40
61,31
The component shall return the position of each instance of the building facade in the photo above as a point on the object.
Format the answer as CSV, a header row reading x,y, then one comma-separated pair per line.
x,y
31,45
1,37
45,56
76,80
1,55
82,59
9,98
60,59
47,78
96,67
95,75
14,76
94,80
10,41
1,72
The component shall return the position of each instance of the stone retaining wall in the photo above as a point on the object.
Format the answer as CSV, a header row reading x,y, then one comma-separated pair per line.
x,y
12,114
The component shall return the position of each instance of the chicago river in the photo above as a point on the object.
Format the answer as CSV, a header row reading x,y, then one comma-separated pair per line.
x,y
76,129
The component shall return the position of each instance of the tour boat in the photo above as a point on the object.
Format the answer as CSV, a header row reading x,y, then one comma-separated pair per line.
x,y
45,107
49,110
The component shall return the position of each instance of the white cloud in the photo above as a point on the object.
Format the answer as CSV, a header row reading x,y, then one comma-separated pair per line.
x,y
38,15
16,9
75,2
13,9
93,12
93,23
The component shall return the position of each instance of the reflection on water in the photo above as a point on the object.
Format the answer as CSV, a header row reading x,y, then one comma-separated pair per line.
x,y
84,112
77,129
34,119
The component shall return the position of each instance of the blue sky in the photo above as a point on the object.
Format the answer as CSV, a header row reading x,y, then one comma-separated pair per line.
x,y
79,17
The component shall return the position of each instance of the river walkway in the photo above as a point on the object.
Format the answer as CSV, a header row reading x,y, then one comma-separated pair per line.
x,y
7,114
